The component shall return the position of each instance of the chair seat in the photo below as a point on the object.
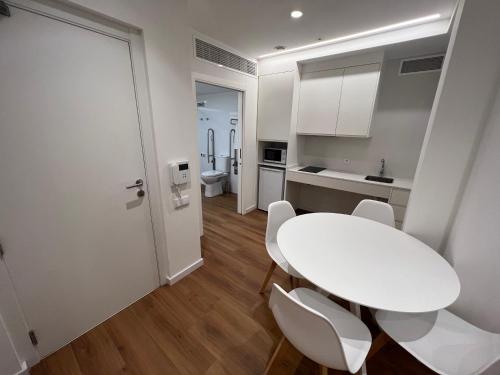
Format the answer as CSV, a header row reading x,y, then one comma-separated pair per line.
x,y
277,256
353,333
442,341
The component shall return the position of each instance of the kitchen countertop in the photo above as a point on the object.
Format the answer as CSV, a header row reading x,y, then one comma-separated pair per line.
x,y
399,183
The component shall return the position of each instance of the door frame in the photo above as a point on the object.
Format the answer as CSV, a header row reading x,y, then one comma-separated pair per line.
x,y
221,82
10,310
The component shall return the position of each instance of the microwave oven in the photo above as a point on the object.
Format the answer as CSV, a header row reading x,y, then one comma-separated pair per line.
x,y
275,155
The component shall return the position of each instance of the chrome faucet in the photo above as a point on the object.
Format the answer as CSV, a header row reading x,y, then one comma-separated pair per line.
x,y
382,168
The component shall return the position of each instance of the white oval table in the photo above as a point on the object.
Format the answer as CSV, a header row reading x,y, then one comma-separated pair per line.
x,y
368,263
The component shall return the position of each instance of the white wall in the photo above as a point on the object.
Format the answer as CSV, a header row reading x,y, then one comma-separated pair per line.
x,y
462,103
203,71
167,42
473,247
398,128
455,204
219,110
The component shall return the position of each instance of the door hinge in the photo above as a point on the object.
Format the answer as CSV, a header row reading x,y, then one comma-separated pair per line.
x,y
2,253
33,338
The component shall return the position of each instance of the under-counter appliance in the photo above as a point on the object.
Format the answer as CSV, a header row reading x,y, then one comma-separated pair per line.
x,y
274,155
271,184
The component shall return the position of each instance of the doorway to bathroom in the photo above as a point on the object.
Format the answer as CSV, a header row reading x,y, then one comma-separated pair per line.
x,y
219,114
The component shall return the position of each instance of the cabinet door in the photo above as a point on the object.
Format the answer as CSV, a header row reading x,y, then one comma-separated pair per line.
x,y
275,106
357,103
319,102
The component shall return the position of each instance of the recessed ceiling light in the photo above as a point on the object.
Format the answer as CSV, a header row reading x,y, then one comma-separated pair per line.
x,y
378,30
296,14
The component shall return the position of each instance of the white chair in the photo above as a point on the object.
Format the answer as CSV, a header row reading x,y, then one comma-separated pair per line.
x,y
442,341
277,214
375,210
320,329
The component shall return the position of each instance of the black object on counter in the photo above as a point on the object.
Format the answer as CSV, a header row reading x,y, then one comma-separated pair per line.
x,y
387,180
312,169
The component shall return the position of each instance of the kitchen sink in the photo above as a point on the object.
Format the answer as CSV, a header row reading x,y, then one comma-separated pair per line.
x,y
386,180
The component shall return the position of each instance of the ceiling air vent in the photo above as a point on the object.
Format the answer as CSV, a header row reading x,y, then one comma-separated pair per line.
x,y
219,56
421,65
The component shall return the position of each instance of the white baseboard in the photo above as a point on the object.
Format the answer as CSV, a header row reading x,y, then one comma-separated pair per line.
x,y
171,280
249,209
24,369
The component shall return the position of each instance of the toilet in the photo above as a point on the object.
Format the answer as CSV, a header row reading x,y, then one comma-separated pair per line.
x,y
213,179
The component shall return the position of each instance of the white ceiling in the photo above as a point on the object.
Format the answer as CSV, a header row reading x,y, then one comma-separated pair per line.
x,y
254,27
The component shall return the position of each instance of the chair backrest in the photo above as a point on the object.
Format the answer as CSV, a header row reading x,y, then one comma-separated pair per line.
x,y
277,213
375,210
309,331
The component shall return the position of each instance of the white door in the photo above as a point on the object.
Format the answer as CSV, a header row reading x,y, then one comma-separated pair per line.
x,y
78,245
359,91
239,155
319,102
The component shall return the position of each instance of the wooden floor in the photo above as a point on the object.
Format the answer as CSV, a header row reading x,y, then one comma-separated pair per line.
x,y
214,321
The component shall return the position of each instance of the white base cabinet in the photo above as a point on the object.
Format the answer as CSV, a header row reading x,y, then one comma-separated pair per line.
x,y
399,200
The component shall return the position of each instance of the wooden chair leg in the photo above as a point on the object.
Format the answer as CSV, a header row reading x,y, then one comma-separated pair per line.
x,y
274,356
380,341
268,276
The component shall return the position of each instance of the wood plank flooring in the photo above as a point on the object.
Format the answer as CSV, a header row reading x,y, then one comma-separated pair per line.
x,y
214,321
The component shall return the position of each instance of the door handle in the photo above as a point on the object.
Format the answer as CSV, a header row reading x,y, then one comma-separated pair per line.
x,y
139,183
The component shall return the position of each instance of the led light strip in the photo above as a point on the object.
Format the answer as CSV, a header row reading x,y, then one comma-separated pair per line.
x,y
394,26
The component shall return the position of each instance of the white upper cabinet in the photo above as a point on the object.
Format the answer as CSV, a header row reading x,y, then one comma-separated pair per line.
x,y
338,102
319,98
357,103
275,106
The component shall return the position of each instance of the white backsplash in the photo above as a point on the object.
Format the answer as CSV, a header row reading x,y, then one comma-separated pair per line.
x,y
398,129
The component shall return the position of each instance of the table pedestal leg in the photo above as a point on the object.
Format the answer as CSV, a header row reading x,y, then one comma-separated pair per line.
x,y
356,310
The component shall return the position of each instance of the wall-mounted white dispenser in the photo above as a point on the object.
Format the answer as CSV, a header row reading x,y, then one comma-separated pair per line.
x,y
180,174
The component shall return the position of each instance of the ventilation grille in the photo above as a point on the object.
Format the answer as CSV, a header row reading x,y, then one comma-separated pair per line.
x,y
421,65
209,52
